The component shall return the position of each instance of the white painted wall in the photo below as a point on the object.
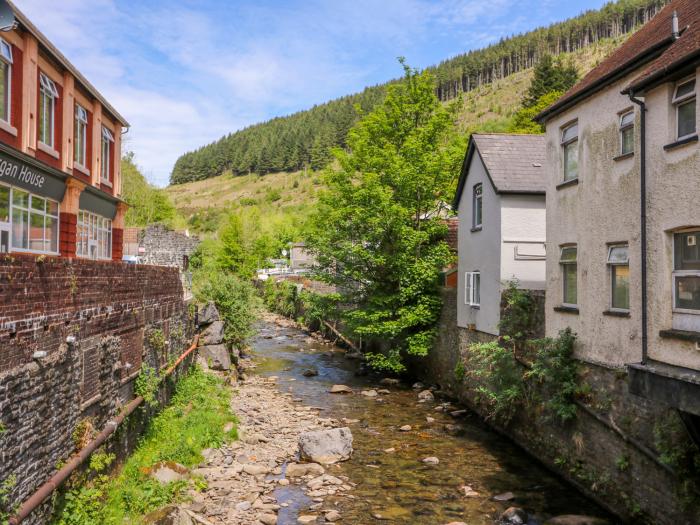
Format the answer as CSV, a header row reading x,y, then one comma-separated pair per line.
x,y
480,250
523,229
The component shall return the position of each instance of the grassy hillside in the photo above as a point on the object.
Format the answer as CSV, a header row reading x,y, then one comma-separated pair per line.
x,y
283,198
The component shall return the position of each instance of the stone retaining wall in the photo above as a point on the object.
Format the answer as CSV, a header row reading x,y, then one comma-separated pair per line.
x,y
608,451
96,322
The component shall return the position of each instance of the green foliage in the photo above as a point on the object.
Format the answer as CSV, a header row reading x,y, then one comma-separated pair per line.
x,y
147,204
375,232
307,138
193,421
550,75
498,378
557,371
280,297
156,339
523,121
460,372
623,463
5,509
520,317
235,299
677,450
146,385
318,307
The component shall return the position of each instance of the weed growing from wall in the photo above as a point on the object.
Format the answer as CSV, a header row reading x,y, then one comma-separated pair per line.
x,y
146,385
6,510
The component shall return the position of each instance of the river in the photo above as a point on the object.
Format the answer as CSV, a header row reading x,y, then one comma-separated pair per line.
x,y
396,486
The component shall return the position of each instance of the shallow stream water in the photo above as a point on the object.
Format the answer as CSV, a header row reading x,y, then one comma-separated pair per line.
x,y
397,486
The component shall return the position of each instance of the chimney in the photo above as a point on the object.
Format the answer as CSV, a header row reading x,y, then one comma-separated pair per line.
x,y
674,25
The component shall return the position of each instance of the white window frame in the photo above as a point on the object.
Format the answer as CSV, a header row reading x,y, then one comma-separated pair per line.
x,y
29,213
683,273
91,231
81,122
682,100
477,199
107,140
472,288
47,88
565,143
625,126
6,57
563,278
611,265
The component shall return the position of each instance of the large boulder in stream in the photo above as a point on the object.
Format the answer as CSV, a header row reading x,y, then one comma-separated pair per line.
x,y
216,357
326,446
208,314
212,334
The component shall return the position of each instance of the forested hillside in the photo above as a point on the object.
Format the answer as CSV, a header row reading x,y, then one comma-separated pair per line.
x,y
304,139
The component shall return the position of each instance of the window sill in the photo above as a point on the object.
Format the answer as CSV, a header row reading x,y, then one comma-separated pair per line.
x,y
682,142
624,156
47,149
683,335
566,309
82,169
616,313
106,183
572,182
476,229
474,306
9,128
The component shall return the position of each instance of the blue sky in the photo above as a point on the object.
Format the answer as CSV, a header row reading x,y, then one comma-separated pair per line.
x,y
186,72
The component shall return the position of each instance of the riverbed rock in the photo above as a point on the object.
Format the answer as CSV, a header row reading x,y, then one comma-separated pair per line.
x,y
468,491
340,389
575,519
326,446
418,386
170,515
310,372
298,470
513,516
268,519
506,496
212,334
432,460
208,314
426,395
406,428
216,357
168,471
369,393
389,381
307,518
332,515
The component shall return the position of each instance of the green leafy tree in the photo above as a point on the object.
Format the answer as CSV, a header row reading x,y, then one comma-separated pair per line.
x,y
375,233
147,204
550,75
523,120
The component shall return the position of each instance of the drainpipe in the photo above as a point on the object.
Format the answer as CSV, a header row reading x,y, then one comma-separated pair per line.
x,y
59,477
643,217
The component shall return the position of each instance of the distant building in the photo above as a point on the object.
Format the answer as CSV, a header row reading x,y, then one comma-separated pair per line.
x,y
605,179
300,259
501,204
60,151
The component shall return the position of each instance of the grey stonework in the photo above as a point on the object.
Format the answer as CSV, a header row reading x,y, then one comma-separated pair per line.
x,y
610,424
165,247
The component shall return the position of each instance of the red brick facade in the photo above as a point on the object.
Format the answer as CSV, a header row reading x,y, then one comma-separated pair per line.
x,y
117,244
67,234
42,301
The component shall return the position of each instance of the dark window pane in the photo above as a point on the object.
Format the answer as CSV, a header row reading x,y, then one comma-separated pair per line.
x,y
687,251
570,289
688,292
686,118
4,204
627,141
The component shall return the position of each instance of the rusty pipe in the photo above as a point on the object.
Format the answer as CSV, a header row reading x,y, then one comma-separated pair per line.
x,y
44,491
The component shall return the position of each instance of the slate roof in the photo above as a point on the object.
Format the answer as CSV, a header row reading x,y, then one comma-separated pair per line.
x,y
652,44
514,163
452,232
682,51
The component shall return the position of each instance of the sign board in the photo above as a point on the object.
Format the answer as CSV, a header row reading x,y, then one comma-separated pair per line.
x,y
18,173
96,204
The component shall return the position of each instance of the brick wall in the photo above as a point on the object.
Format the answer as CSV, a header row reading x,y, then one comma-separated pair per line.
x,y
611,426
93,319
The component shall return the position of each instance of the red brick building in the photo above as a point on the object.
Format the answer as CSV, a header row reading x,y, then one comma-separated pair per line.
x,y
60,151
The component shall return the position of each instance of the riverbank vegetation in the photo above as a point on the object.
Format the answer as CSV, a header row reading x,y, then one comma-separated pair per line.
x,y
198,417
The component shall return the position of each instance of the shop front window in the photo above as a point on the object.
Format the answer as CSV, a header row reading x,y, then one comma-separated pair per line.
x,y
94,236
32,220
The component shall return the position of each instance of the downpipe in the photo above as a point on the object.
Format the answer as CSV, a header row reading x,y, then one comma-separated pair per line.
x,y
43,492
